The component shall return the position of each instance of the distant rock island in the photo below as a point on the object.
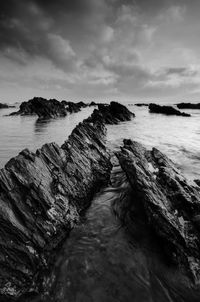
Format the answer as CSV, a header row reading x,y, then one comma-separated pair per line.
x,y
167,110
52,108
5,106
188,106
141,105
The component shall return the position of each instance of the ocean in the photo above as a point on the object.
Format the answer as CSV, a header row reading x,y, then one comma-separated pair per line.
x,y
178,137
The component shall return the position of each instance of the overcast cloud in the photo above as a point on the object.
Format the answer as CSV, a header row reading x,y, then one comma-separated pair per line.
x,y
104,49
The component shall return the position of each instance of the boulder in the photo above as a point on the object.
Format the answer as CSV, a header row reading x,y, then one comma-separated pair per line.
x,y
168,110
169,204
188,106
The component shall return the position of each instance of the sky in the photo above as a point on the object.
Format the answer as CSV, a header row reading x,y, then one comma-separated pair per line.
x,y
100,50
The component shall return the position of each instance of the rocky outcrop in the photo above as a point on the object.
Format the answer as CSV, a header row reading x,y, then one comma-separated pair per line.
x,y
167,110
42,108
188,106
73,107
141,105
112,114
41,197
5,106
170,206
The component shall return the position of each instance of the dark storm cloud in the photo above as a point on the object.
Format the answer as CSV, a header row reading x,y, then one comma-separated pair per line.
x,y
115,46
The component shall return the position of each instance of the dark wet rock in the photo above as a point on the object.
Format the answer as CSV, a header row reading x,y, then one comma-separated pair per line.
x,y
93,104
169,204
188,106
168,110
141,105
41,197
42,107
73,107
197,181
5,106
112,114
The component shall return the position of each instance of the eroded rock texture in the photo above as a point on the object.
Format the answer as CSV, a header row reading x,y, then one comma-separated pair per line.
x,y
41,197
113,113
169,205
42,107
167,110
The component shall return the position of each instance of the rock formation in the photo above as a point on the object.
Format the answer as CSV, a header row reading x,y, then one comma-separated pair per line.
x,y
42,107
5,106
188,106
170,206
113,113
41,197
168,110
73,107
141,105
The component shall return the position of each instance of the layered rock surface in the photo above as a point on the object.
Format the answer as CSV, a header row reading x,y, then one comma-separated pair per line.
x,y
41,197
167,110
167,203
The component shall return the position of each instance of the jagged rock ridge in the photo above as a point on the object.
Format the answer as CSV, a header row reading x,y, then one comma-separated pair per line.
x,y
41,197
171,206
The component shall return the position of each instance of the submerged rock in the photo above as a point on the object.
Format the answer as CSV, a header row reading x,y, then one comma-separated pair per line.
x,y
112,114
188,106
168,110
169,204
41,197
42,107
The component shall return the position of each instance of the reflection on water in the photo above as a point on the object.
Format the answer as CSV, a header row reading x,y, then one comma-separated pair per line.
x,y
41,125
